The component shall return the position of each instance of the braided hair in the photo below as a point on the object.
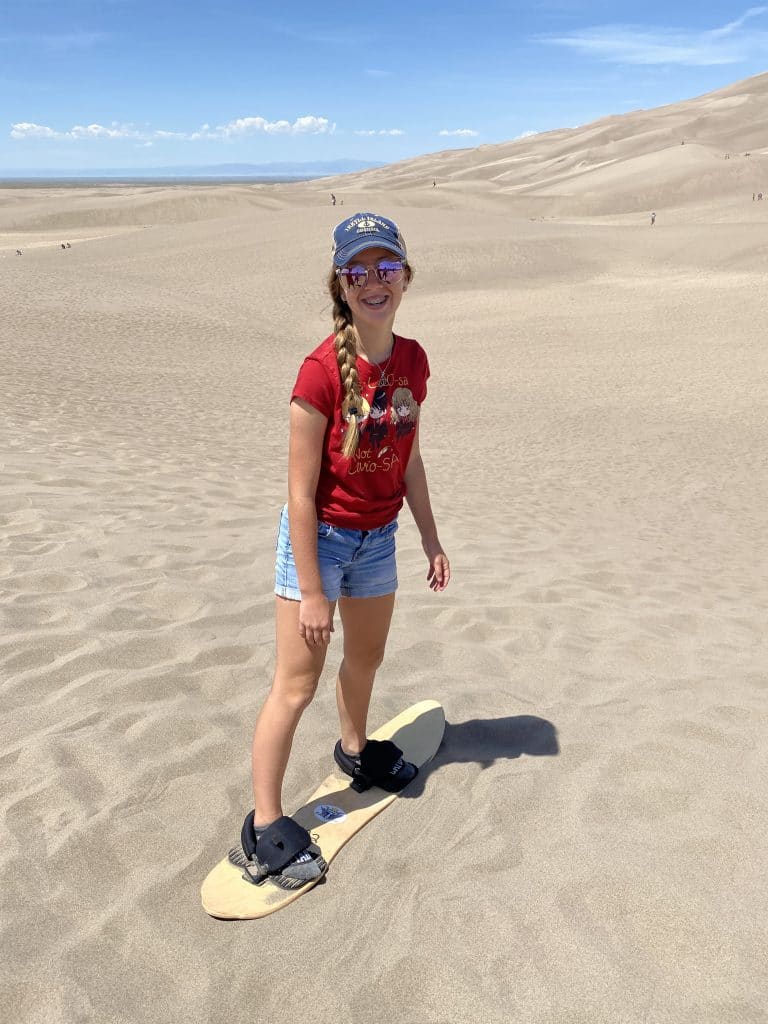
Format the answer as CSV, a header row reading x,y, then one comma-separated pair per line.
x,y
346,356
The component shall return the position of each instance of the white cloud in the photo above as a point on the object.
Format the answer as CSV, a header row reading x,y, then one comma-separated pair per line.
x,y
465,132
633,44
313,125
99,131
731,27
241,126
379,131
25,130
307,125
203,132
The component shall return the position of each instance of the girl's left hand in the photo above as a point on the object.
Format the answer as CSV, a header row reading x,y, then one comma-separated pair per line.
x,y
439,574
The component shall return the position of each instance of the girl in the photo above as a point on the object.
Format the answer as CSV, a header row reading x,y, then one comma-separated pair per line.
x,y
347,478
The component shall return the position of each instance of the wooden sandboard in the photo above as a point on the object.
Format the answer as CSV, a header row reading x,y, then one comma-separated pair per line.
x,y
332,815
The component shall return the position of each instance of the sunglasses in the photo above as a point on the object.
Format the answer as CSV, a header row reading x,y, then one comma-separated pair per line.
x,y
356,276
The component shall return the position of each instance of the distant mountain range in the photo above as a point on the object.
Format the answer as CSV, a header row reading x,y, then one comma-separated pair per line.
x,y
272,170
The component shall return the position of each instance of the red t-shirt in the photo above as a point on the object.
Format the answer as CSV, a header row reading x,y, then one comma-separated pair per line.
x,y
366,491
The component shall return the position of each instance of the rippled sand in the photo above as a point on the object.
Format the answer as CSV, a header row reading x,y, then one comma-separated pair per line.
x,y
589,845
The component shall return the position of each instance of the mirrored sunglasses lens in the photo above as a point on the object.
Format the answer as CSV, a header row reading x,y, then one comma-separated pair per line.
x,y
354,277
389,271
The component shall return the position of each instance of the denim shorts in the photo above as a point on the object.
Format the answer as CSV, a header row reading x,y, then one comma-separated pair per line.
x,y
353,563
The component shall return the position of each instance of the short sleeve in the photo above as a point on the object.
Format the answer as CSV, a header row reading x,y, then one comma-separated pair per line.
x,y
421,374
314,385
426,375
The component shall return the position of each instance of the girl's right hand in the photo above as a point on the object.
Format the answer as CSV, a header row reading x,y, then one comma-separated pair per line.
x,y
315,621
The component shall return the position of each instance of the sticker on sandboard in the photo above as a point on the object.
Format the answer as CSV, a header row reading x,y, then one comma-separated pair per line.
x,y
327,812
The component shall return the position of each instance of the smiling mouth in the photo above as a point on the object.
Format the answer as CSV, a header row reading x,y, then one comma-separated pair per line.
x,y
375,302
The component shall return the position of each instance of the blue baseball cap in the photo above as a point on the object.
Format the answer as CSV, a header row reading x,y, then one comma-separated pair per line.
x,y
364,231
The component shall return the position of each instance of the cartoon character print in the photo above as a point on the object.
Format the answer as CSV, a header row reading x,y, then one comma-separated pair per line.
x,y
376,427
405,412
361,410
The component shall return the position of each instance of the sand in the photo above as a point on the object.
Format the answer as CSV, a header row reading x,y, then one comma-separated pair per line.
x,y
589,845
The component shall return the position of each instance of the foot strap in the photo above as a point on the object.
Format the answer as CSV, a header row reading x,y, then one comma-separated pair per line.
x,y
380,764
276,846
282,853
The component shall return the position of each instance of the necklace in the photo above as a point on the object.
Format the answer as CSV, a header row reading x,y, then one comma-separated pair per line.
x,y
382,369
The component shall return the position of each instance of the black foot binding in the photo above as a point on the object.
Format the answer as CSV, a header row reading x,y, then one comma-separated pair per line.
x,y
283,852
380,763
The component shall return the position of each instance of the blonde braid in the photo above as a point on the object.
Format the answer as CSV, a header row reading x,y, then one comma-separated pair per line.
x,y
346,357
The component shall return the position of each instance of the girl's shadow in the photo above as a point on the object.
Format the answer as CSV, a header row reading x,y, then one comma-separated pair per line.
x,y
487,740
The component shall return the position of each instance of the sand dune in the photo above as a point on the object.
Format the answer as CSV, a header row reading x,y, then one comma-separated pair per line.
x,y
648,164
589,845
61,209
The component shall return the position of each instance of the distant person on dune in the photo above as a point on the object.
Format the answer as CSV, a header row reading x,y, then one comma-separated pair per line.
x,y
653,219
333,199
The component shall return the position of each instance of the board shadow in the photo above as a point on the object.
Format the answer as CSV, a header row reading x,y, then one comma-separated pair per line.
x,y
485,741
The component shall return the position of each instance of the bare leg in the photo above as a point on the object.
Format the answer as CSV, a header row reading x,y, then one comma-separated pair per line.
x,y
297,671
366,627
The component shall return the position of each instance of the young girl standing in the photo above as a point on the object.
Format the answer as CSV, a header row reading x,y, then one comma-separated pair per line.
x,y
353,457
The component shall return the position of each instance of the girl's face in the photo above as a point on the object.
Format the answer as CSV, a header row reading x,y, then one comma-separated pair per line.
x,y
375,304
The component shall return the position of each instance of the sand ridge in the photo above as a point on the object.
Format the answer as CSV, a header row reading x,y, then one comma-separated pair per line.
x,y
695,151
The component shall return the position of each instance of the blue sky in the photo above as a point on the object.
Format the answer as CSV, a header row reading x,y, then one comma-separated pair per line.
x,y
131,83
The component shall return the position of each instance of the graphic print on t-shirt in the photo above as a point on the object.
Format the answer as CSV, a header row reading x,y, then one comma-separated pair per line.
x,y
385,422
366,490
348,408
405,410
375,430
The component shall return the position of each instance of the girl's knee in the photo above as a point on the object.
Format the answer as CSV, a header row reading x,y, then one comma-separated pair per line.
x,y
364,662
296,694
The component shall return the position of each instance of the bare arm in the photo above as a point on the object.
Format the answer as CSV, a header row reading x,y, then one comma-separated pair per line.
x,y
417,496
307,430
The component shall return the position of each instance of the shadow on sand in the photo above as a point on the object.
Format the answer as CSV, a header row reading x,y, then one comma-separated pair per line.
x,y
484,741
